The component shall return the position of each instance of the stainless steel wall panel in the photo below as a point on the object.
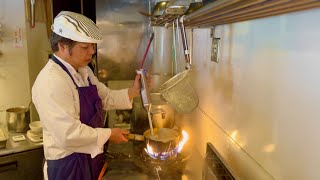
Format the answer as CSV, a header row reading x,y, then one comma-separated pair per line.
x,y
125,37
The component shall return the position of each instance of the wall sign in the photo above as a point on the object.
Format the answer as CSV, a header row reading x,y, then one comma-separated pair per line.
x,y
18,38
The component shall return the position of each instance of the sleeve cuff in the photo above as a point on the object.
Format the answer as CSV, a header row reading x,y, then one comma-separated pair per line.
x,y
129,102
103,136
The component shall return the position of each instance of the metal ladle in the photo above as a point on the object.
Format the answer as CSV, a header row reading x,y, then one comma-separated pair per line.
x,y
144,92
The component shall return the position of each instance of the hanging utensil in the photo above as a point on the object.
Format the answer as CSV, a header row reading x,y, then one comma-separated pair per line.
x,y
185,44
178,91
147,50
32,3
175,64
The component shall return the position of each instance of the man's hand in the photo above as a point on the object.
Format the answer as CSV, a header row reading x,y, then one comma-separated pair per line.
x,y
135,89
118,135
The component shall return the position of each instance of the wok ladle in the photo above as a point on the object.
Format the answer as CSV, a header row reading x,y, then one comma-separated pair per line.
x,y
146,100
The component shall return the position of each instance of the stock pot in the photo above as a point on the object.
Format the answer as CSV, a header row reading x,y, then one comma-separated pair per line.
x,y
18,119
162,114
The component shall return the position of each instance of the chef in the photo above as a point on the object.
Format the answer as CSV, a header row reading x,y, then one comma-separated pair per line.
x,y
70,101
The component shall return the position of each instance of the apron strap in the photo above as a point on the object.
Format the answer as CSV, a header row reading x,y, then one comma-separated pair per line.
x,y
89,81
64,68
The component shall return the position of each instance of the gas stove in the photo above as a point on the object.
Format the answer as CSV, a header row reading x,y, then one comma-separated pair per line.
x,y
130,161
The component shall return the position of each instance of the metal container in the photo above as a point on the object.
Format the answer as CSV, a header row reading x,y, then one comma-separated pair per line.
x,y
179,93
160,146
3,143
18,119
162,114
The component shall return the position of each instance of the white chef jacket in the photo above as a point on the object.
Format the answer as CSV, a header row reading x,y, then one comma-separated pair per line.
x,y
57,101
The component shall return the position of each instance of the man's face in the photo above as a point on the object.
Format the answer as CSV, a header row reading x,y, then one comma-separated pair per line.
x,y
80,55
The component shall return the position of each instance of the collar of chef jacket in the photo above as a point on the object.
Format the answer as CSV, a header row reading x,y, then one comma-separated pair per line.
x,y
80,77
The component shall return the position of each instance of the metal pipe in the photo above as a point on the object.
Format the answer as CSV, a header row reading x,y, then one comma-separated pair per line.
x,y
178,45
191,47
263,11
81,4
230,8
234,14
174,49
209,8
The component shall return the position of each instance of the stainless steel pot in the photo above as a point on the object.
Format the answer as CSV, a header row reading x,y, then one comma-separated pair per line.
x,y
162,114
159,145
18,119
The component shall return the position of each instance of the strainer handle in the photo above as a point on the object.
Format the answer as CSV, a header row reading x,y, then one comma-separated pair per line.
x,y
185,44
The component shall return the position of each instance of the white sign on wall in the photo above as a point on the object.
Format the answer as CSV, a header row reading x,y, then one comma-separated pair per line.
x,y
18,38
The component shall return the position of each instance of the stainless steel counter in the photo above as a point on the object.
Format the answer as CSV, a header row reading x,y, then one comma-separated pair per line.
x,y
20,146
21,160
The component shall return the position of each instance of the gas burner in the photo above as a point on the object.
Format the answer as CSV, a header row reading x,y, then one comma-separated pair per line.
x,y
163,150
135,159
131,160
163,155
170,168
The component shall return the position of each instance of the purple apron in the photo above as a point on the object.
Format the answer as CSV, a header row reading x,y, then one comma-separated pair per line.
x,y
78,165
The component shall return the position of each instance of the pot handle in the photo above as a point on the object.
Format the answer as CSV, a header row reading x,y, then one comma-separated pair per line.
x,y
136,137
29,105
159,111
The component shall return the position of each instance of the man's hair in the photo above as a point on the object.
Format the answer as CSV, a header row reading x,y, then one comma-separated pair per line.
x,y
56,39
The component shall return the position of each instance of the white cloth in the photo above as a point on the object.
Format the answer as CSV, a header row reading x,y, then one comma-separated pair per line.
x,y
57,101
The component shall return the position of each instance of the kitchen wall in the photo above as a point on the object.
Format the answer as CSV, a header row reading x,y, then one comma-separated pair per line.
x,y
125,36
259,106
24,52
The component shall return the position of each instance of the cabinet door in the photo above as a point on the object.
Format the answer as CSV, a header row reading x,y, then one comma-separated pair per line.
x,y
26,165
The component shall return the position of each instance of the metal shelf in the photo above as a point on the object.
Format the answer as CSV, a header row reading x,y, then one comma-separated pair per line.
x,y
230,11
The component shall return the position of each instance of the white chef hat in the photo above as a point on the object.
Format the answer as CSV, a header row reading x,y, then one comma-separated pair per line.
x,y
76,27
